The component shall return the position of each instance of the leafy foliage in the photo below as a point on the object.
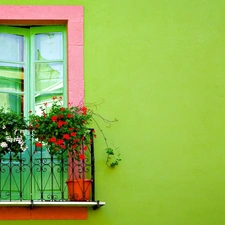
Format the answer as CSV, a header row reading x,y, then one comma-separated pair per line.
x,y
66,130
112,162
60,129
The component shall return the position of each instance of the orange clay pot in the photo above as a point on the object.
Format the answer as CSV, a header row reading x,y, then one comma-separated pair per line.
x,y
79,190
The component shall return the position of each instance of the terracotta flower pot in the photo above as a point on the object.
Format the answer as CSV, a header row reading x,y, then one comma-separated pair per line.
x,y
79,190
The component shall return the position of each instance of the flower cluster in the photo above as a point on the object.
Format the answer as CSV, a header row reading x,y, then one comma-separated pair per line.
x,y
62,129
12,137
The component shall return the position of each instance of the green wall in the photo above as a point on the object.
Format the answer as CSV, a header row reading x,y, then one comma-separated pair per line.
x,y
159,66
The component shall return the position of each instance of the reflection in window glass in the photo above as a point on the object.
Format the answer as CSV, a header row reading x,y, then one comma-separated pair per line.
x,y
48,76
48,46
11,47
12,101
12,77
45,98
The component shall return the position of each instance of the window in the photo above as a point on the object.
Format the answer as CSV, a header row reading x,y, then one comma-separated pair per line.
x,y
32,66
32,71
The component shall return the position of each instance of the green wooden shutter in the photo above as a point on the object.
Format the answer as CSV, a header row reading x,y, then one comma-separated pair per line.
x,y
48,69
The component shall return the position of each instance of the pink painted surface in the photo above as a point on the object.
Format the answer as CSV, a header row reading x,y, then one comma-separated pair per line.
x,y
72,16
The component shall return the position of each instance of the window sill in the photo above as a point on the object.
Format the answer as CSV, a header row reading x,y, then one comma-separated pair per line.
x,y
31,204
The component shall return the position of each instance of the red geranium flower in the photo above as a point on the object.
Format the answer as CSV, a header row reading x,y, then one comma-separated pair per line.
x,y
52,139
54,118
69,116
59,142
76,140
38,144
82,156
60,123
73,134
84,109
66,136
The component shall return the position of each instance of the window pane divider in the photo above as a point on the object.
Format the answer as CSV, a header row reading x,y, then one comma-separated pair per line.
x,y
47,93
12,62
12,92
49,61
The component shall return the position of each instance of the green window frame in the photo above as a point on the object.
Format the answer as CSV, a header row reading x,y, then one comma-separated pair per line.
x,y
33,69
39,72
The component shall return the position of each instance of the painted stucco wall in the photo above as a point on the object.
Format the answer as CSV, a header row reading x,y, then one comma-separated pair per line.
x,y
159,66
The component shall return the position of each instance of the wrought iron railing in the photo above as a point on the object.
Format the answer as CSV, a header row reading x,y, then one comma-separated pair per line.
x,y
37,176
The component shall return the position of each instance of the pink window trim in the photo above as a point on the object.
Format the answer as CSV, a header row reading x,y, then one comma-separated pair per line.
x,y
72,16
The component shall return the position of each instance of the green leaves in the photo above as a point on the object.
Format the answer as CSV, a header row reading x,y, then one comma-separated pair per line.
x,y
109,151
112,161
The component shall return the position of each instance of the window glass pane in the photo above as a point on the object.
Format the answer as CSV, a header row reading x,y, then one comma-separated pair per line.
x,y
48,46
48,76
11,47
12,101
11,77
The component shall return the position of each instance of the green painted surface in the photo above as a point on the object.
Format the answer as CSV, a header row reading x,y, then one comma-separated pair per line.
x,y
159,66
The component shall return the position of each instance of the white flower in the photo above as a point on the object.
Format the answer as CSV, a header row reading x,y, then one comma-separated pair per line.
x,y
20,142
3,126
16,139
23,148
4,145
9,139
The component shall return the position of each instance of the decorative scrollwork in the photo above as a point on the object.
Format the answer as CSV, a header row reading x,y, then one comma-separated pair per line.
x,y
34,175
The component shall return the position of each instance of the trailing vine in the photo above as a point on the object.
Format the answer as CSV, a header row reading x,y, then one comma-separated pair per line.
x,y
113,158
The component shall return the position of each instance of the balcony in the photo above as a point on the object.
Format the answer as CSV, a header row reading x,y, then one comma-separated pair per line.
x,y
35,178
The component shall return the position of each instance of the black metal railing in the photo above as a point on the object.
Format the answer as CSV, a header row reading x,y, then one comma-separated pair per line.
x,y
35,175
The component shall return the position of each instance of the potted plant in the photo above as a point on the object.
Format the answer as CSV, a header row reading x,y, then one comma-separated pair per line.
x,y
65,131
61,128
12,133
